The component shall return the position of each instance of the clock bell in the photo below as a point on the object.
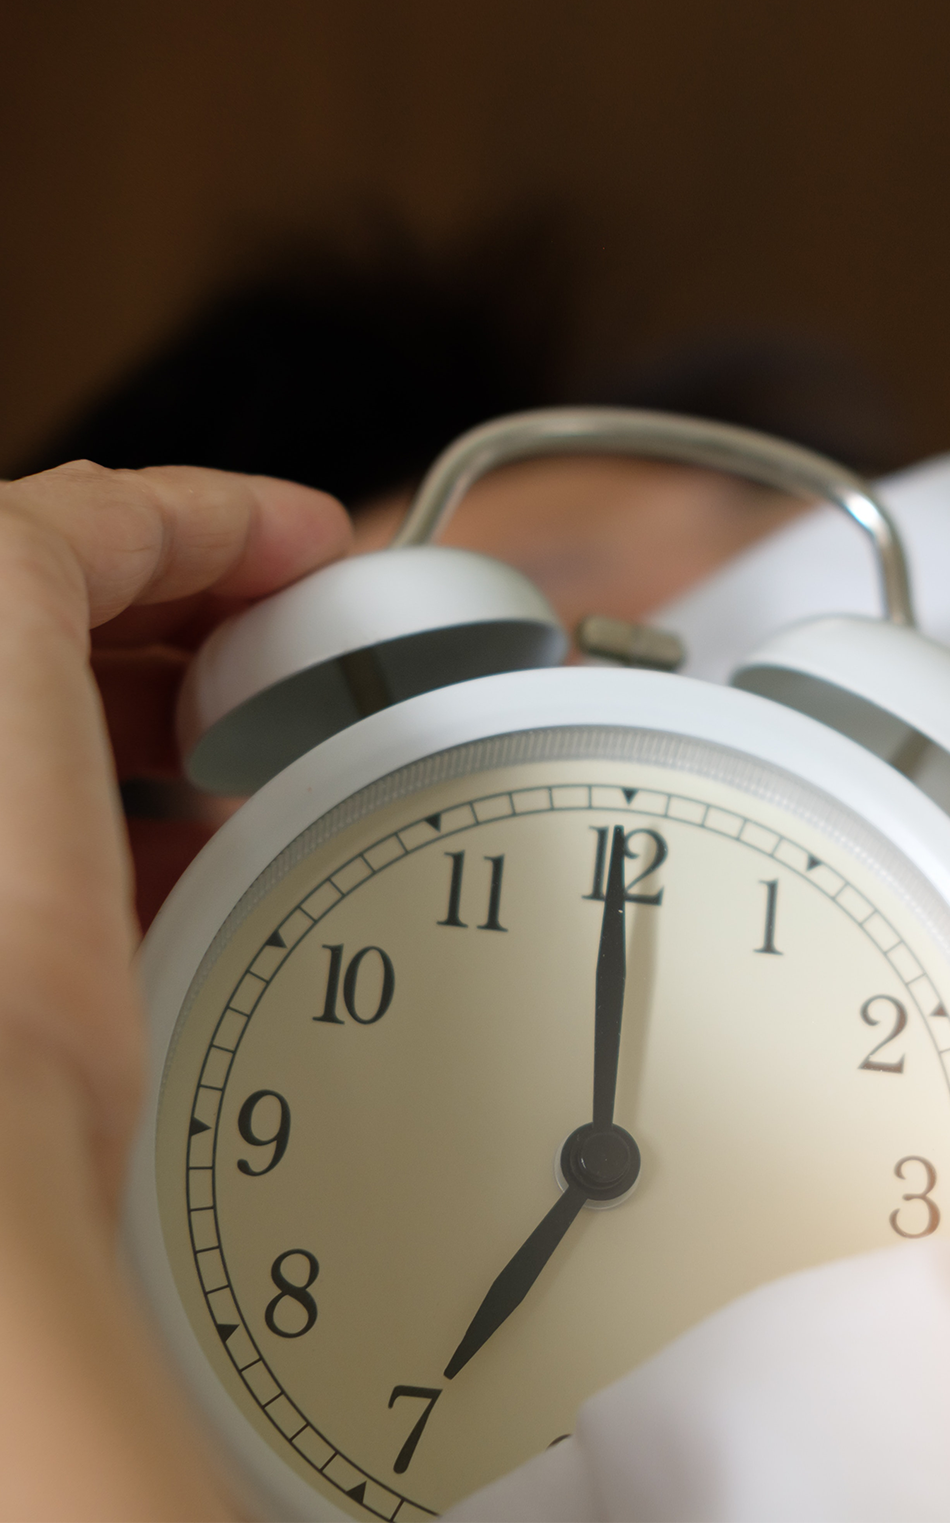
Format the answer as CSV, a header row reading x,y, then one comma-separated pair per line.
x,y
371,631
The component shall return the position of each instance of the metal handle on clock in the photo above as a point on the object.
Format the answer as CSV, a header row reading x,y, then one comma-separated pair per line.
x,y
661,436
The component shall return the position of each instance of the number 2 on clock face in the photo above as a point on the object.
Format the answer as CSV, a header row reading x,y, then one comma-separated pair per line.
x,y
386,1060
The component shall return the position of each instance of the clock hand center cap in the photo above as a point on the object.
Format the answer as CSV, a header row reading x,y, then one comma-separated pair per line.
x,y
604,1163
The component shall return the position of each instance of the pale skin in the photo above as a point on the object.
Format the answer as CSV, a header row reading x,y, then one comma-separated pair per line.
x,y
92,1425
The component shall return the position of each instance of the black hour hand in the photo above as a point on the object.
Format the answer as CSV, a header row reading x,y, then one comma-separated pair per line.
x,y
516,1279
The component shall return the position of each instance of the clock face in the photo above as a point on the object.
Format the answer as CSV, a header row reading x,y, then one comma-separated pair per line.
x,y
401,1275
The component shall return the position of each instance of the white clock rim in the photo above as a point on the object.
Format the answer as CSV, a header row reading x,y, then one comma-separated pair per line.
x,y
355,758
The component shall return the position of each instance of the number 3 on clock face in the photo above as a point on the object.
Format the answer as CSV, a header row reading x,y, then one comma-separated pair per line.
x,y
366,1102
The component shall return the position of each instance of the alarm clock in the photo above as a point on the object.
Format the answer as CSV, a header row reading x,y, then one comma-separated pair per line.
x,y
525,1015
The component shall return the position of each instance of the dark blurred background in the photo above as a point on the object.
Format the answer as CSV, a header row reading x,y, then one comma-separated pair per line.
x,y
321,236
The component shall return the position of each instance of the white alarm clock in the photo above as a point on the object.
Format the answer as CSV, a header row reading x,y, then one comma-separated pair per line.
x,y
526,1015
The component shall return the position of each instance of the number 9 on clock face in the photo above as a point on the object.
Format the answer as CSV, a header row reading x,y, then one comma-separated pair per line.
x,y
365,1107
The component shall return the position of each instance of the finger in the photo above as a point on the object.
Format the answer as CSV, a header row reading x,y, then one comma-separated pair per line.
x,y
170,532
76,543
66,929
184,624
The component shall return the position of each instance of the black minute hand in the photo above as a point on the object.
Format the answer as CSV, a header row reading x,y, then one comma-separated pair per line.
x,y
611,981
516,1279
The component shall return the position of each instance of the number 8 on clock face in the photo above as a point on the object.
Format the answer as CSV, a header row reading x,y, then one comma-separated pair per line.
x,y
403,1248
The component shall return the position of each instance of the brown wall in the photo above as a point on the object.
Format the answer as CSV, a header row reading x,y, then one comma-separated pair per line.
x,y
721,162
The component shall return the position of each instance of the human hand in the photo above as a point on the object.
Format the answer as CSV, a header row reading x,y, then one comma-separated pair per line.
x,y
146,559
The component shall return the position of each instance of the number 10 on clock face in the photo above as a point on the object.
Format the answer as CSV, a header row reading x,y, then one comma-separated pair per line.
x,y
365,1113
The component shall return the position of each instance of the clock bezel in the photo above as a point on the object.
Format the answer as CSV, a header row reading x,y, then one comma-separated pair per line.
x,y
359,756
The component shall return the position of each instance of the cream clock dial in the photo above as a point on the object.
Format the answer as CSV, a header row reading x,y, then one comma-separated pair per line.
x,y
517,1065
